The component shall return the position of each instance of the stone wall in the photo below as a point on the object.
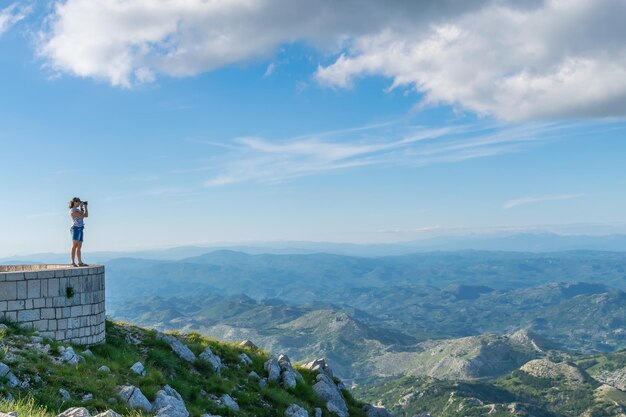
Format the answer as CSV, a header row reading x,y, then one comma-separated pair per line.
x,y
61,302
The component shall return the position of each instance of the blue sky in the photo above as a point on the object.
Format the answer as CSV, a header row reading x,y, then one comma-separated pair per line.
x,y
305,135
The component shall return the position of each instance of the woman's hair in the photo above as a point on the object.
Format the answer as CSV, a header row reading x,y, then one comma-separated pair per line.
x,y
74,200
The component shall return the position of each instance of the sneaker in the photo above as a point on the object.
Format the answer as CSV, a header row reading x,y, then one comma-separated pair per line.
x,y
74,264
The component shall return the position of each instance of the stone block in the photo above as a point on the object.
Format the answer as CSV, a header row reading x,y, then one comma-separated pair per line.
x,y
41,325
11,315
49,302
8,291
57,301
15,277
61,324
48,313
3,306
30,275
28,304
46,274
21,290
59,274
52,324
3,277
76,311
34,289
59,335
15,305
39,303
27,315
54,289
43,288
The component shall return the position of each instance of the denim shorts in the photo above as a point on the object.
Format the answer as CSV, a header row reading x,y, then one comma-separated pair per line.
x,y
77,233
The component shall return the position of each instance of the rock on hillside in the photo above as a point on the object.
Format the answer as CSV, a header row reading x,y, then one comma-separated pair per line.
x,y
545,368
172,381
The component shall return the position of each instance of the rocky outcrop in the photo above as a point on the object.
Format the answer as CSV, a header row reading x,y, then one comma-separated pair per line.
x,y
169,403
104,369
294,410
326,390
65,395
329,391
68,356
12,380
245,359
178,347
108,413
133,396
78,412
320,365
228,401
138,368
272,368
212,359
288,375
75,412
248,343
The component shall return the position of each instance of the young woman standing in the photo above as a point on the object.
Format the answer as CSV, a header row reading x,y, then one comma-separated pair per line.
x,y
78,212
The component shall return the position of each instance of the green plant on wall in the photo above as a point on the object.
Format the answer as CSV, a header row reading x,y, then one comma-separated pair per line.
x,y
69,292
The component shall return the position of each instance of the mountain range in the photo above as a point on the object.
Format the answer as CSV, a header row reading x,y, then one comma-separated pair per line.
x,y
494,241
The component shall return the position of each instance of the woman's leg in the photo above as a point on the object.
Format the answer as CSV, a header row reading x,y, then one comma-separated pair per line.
x,y
73,252
79,254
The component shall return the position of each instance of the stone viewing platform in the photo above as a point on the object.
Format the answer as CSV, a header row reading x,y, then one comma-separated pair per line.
x,y
62,302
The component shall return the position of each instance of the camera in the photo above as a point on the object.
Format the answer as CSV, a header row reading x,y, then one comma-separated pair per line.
x,y
84,202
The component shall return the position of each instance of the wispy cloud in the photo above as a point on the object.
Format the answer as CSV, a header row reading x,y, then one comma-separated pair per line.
x,y
270,69
261,160
539,199
255,159
12,14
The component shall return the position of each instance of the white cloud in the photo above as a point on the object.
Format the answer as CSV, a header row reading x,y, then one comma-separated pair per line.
x,y
12,14
562,59
516,60
539,199
126,42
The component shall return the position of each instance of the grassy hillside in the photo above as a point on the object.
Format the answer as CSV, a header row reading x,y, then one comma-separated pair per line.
x,y
34,363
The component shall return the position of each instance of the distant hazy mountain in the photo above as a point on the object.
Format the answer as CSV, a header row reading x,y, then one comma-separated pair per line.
x,y
315,277
519,242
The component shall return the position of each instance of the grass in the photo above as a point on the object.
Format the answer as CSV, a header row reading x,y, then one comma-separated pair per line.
x,y
197,383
